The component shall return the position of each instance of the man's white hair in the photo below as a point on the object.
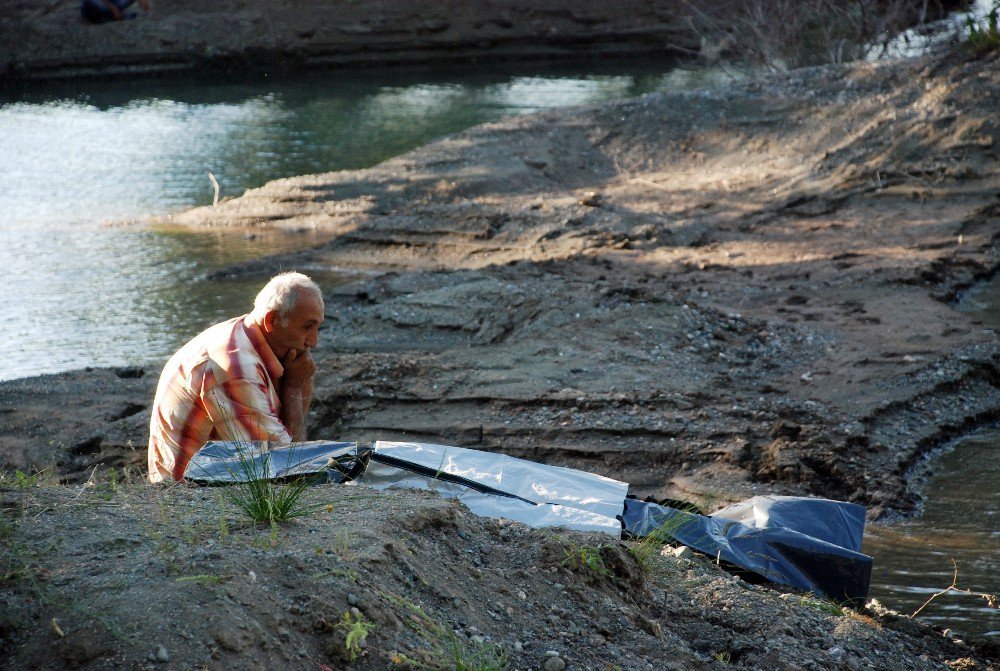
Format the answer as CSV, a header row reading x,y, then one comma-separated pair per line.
x,y
281,293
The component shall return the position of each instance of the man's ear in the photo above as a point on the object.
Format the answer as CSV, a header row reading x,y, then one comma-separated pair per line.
x,y
269,317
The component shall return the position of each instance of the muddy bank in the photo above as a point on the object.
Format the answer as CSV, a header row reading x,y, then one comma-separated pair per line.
x,y
127,576
706,295
49,39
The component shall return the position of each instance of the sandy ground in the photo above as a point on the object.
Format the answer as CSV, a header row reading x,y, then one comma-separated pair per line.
x,y
707,295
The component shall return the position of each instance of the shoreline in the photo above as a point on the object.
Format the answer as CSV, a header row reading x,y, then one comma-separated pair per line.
x,y
54,43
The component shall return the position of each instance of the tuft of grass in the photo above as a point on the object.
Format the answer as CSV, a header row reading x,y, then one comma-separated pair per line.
x,y
262,499
585,558
356,629
828,607
647,549
723,657
203,579
447,651
20,480
984,38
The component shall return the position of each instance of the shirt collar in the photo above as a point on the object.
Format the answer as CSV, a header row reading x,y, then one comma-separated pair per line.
x,y
271,363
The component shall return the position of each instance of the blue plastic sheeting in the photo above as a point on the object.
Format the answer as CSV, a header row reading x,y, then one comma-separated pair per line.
x,y
835,522
785,554
225,461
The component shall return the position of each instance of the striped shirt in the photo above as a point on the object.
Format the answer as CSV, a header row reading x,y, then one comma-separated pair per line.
x,y
223,385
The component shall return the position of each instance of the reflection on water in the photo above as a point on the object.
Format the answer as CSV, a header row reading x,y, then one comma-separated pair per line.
x,y
960,525
77,293
961,522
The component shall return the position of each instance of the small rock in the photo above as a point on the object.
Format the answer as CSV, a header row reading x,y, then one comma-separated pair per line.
x,y
551,653
162,655
518,646
682,552
554,664
352,599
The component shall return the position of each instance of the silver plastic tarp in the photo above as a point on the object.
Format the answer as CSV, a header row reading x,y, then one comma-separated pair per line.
x,y
226,461
497,485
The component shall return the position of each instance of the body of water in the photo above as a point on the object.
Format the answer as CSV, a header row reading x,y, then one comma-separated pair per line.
x,y
75,160
958,530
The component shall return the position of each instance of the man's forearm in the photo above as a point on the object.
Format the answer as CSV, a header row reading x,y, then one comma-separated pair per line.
x,y
295,404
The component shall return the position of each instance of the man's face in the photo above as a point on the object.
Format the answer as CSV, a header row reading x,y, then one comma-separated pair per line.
x,y
302,329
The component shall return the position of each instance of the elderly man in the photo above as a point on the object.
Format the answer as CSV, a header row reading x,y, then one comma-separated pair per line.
x,y
249,378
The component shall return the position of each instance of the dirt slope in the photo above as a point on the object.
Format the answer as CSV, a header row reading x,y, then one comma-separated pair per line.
x,y
127,576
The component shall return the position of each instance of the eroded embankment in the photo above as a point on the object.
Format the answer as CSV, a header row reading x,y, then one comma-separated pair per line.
x,y
707,295
124,575
49,40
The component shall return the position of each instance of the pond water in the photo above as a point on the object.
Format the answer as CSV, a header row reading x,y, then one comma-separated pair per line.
x,y
959,527
79,292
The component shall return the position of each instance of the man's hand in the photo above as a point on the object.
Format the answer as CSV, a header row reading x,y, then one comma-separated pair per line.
x,y
299,368
297,391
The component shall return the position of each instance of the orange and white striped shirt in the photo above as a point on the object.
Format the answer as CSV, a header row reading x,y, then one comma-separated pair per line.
x,y
222,385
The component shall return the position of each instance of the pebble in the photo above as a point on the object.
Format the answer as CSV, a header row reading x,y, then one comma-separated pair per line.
x,y
682,552
352,599
162,655
554,664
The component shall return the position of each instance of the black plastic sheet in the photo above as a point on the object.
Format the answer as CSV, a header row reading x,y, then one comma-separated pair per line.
x,y
779,546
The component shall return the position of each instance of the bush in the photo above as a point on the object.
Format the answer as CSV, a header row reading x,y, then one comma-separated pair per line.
x,y
984,38
784,34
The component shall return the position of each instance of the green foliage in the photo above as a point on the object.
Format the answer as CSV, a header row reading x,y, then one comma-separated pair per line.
x,y
356,629
723,657
585,559
203,579
261,498
7,524
447,651
828,607
648,548
984,38
20,480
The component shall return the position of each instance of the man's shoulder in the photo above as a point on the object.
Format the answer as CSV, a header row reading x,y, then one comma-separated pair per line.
x,y
200,352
